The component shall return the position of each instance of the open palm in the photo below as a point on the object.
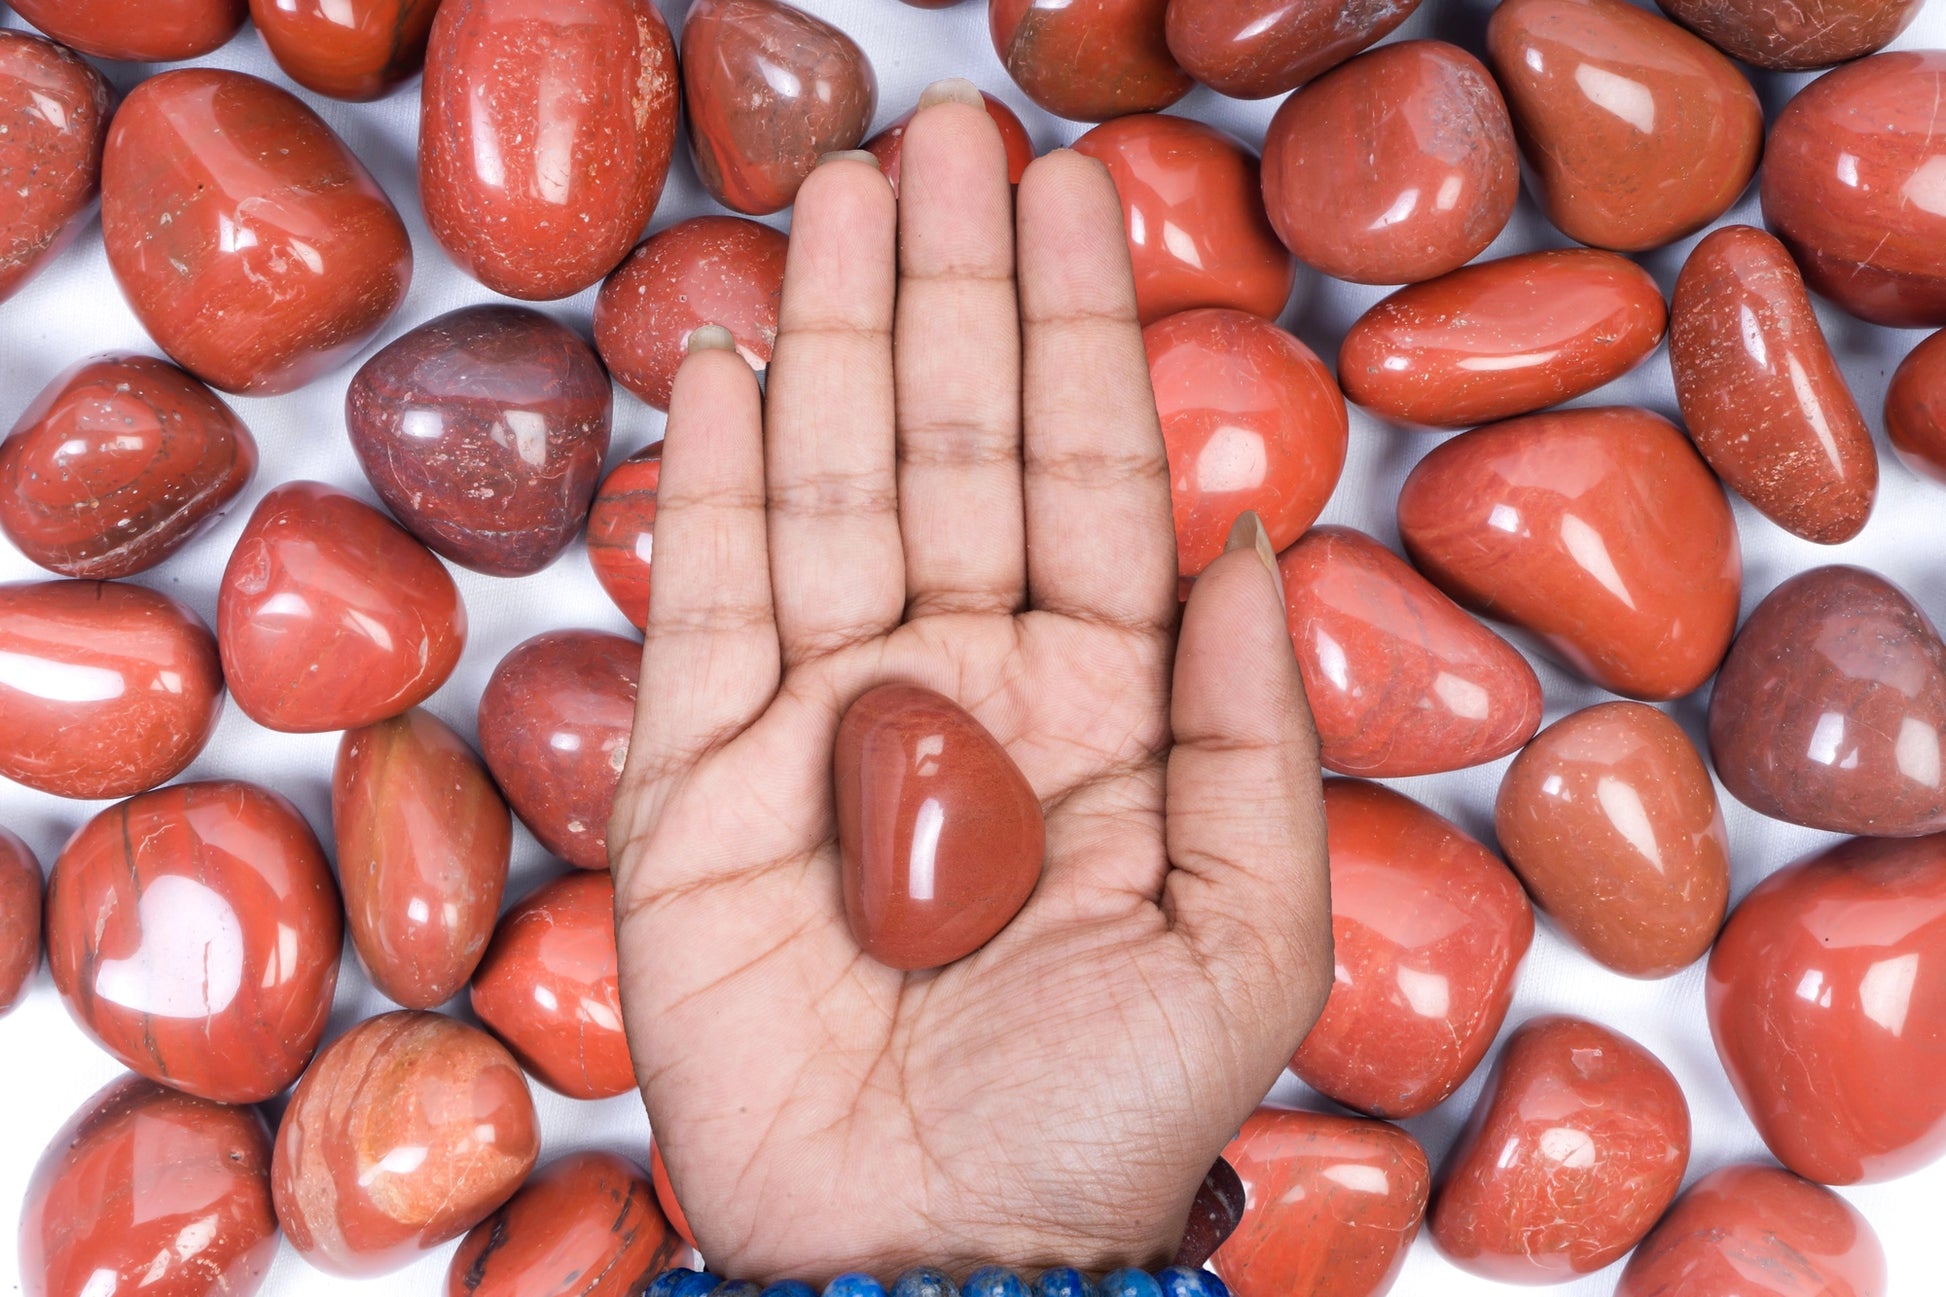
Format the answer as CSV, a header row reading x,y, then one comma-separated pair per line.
x,y
1056,1097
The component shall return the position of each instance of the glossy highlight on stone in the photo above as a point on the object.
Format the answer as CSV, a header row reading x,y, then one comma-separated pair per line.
x,y
769,90
1638,133
1598,530
194,933
545,134
1088,62
54,112
347,49
1251,419
408,1130
1197,233
1430,929
423,839
942,838
1397,167
152,1191
1332,1205
1830,710
1915,408
106,689
1611,821
1577,1145
1253,49
119,462
250,242
554,726
1795,37
20,918
621,532
331,617
1827,1001
720,270
1757,1231
1502,338
888,146
1401,681
138,31
484,431
585,1225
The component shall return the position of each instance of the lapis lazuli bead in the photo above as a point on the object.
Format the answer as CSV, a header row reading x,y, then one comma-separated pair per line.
x,y
1213,1286
993,1281
1181,1281
789,1288
924,1281
683,1283
1063,1283
737,1288
854,1285
1130,1283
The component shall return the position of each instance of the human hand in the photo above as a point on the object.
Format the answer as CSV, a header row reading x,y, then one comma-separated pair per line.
x,y
957,480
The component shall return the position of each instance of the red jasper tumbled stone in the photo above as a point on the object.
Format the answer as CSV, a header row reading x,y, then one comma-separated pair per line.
x,y
941,836
1794,37
888,146
621,532
1253,49
20,918
54,112
141,31
194,932
347,49
330,616
1088,62
1915,408
665,1195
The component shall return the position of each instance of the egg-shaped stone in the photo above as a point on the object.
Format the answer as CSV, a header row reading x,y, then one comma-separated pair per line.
x,y
346,49
621,532
138,31
1915,408
888,146
1088,62
1795,37
1253,49
54,111
20,918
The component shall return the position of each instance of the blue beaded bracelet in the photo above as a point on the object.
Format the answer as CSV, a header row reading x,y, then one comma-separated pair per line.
x,y
990,1281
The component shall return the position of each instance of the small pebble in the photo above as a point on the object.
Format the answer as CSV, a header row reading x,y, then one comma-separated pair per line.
x,y
1130,1283
854,1285
1064,1283
924,1281
993,1281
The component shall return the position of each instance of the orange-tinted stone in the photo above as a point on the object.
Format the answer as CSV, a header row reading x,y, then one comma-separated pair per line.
x,y
1088,62
1501,338
251,244
1397,167
1794,37
347,49
53,119
1598,530
665,1194
1251,420
941,836
1429,929
720,270
1577,1145
585,1225
139,31
1254,49
119,462
621,532
1827,1000
1638,132
1331,1205
545,134
1401,681
423,840
20,918
1851,184
1611,821
1760,392
769,90
1915,408
194,932
408,1130
1197,233
888,146
1757,1231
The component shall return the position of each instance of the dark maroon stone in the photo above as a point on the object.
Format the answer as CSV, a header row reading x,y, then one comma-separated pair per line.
x,y
1213,1217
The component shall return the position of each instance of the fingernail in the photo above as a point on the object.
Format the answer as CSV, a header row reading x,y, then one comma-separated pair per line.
x,y
951,90
1247,532
849,155
712,337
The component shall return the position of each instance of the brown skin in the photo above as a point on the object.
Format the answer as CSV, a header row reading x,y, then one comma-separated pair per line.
x,y
987,515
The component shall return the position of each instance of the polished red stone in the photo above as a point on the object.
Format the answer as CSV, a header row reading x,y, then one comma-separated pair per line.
x,y
1213,1216
1638,133
1400,680
1830,710
347,49
888,146
1430,929
941,835
1852,185
554,726
1502,338
1827,1000
665,1195
1611,821
545,135
331,617
194,933
1761,394
585,1225
1598,530
621,532
1915,408
117,464
140,31
251,244
20,918
769,90
1332,1205
146,1190
1088,62
1757,1231
1794,37
483,431
549,988
408,1130
1194,208
1253,49
1578,1143
105,689
54,112
1397,167
1251,419
423,840
720,270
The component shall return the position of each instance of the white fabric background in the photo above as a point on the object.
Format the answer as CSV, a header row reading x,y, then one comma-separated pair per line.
x,y
73,309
